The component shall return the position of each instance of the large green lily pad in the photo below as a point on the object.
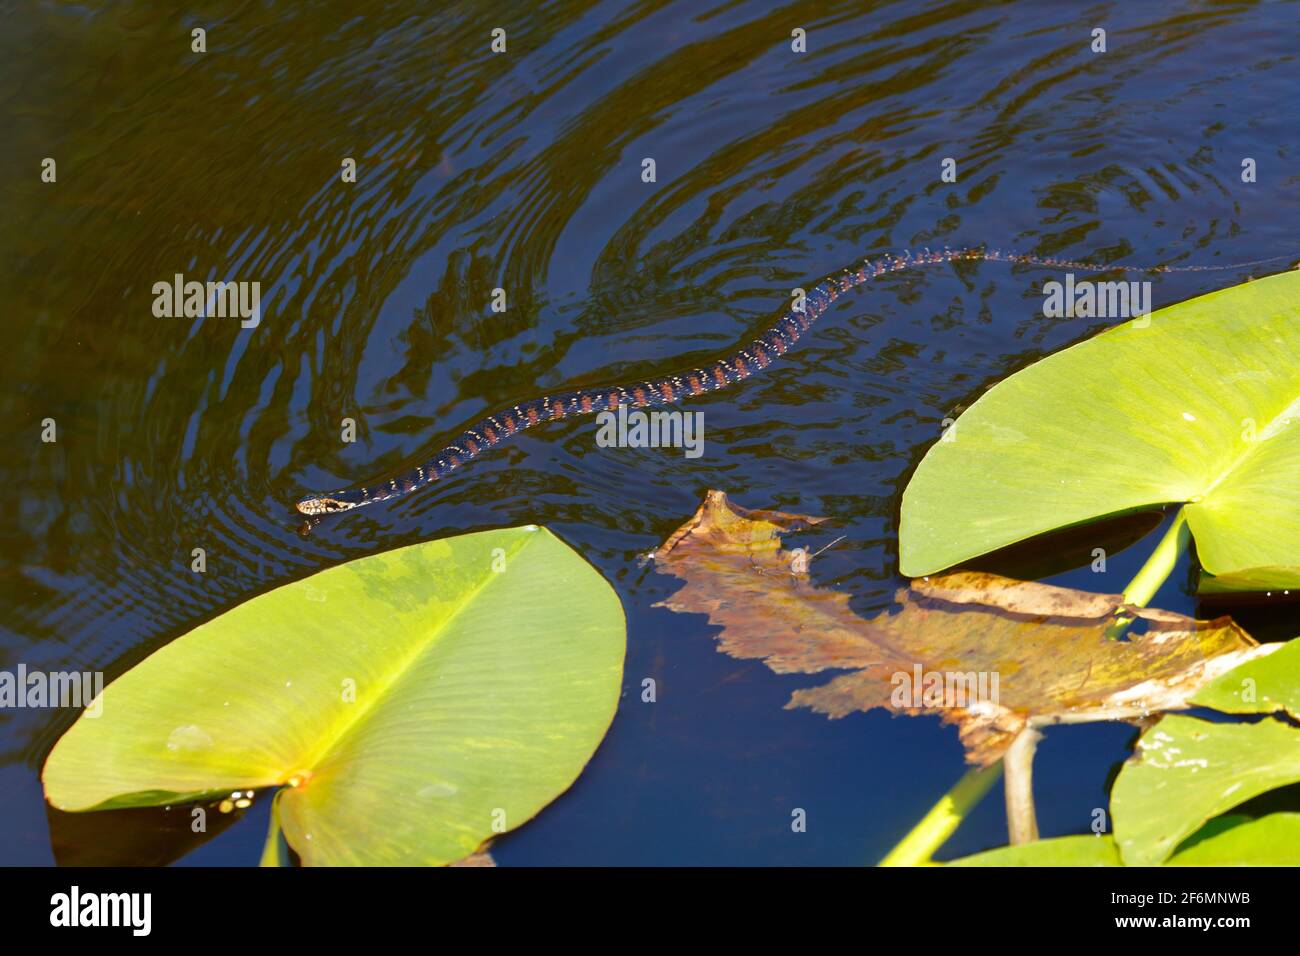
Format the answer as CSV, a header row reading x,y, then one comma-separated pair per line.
x,y
1199,404
1237,840
411,704
1187,771
1062,851
1272,840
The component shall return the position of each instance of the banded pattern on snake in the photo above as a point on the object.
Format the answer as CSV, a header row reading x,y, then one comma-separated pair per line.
x,y
737,367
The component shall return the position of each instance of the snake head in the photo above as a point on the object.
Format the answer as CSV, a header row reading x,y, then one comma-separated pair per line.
x,y
323,505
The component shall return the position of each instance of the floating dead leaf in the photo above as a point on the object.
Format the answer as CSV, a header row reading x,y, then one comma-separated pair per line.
x,y
481,858
987,653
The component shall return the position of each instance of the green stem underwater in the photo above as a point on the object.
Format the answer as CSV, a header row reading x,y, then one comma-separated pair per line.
x,y
1152,575
273,852
919,845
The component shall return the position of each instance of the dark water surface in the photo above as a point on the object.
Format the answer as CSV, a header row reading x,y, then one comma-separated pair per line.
x,y
523,171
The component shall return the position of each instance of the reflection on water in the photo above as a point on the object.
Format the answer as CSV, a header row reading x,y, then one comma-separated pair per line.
x,y
522,171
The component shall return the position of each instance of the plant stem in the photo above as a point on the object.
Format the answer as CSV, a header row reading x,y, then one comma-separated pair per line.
x,y
272,854
1022,822
919,845
1160,565
1152,575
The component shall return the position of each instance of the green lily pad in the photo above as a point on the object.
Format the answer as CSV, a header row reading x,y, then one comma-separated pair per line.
x,y
1263,685
412,704
1280,580
1197,404
1272,840
1062,851
1187,771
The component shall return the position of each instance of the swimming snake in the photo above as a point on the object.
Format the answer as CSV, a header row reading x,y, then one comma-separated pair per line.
x,y
668,389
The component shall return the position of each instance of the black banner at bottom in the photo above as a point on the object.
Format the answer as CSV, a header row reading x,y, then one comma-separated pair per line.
x,y
330,906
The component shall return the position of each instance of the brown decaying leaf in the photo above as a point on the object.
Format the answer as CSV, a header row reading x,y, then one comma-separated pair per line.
x,y
1024,652
481,858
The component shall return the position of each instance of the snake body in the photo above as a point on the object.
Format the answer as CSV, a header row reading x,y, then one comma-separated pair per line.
x,y
737,367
